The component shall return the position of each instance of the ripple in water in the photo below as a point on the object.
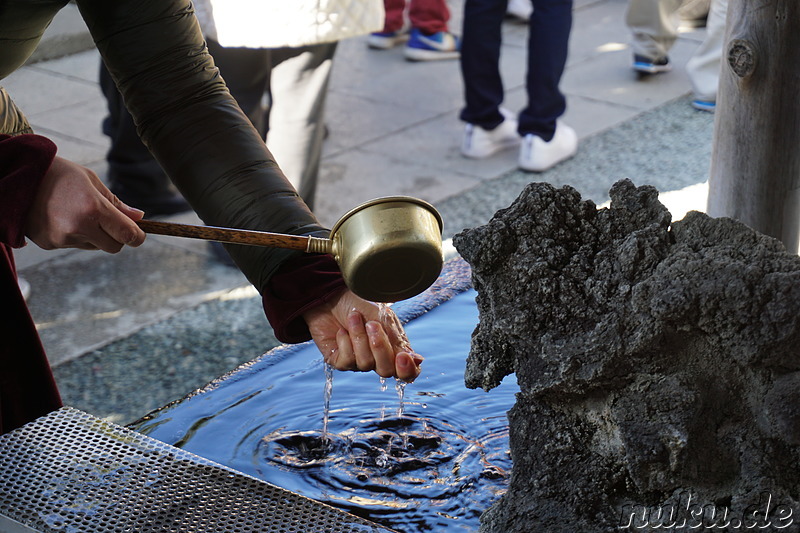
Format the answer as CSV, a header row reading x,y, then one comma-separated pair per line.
x,y
429,456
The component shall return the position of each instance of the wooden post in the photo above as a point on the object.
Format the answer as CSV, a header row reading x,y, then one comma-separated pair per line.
x,y
755,165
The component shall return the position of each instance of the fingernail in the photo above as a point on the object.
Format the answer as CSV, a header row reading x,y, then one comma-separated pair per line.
x,y
355,319
403,362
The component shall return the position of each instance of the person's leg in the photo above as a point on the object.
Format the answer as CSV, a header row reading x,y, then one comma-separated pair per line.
x,y
654,26
299,88
548,43
246,72
704,66
395,30
480,62
394,18
133,174
546,140
489,128
429,16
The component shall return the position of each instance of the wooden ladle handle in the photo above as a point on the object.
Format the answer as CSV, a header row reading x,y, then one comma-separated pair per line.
x,y
235,236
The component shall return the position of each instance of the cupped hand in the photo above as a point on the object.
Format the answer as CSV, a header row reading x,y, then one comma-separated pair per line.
x,y
74,209
353,334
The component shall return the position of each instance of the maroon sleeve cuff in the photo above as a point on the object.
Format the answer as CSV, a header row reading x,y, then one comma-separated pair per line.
x,y
300,284
24,161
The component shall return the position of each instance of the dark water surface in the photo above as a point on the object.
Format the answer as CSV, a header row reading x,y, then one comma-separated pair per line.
x,y
431,462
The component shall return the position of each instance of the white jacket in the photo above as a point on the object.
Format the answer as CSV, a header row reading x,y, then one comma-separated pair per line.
x,y
293,23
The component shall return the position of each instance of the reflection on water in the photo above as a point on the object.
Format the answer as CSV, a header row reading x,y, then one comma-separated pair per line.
x,y
433,465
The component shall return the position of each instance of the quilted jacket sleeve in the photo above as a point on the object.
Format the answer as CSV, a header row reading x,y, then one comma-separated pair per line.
x,y
12,121
184,113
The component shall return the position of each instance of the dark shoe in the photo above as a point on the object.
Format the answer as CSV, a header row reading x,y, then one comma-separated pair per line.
x,y
645,65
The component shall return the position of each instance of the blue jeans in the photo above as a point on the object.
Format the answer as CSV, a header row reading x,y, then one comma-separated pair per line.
x,y
548,41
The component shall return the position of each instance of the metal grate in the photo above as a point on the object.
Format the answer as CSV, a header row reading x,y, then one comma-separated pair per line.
x,y
71,472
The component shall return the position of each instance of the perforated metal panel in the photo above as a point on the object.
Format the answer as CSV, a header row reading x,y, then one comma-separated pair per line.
x,y
71,472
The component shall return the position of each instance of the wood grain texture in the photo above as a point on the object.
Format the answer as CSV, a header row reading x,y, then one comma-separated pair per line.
x,y
755,167
234,236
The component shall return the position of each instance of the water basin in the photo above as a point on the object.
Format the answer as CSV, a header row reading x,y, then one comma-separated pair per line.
x,y
430,456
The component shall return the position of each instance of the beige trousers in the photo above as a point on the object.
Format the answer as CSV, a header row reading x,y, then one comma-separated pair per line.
x,y
654,29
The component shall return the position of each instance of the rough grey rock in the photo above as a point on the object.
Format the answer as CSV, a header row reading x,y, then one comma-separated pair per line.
x,y
659,364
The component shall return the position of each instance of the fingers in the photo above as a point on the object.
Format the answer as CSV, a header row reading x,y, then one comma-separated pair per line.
x,y
108,231
365,346
121,230
353,335
95,239
359,338
355,348
407,366
74,209
119,222
381,349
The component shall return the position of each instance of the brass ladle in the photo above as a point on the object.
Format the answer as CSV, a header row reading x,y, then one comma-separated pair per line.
x,y
388,249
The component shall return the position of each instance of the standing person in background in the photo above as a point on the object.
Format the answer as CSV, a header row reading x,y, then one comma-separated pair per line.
x,y
654,26
156,54
704,66
545,139
276,58
428,37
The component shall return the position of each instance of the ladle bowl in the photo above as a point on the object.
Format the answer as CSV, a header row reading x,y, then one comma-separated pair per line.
x,y
388,249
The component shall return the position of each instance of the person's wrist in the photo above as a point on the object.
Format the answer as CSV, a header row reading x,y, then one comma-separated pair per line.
x,y
300,285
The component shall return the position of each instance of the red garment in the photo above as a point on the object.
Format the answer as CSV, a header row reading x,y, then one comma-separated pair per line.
x,y
428,16
27,387
288,297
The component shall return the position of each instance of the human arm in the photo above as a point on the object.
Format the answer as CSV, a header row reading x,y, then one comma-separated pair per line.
x,y
57,203
185,115
74,209
52,201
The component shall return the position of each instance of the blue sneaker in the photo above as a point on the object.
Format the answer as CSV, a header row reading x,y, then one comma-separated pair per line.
x,y
646,65
384,40
704,105
441,45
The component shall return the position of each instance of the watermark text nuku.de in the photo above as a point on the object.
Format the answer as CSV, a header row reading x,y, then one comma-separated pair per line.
x,y
687,514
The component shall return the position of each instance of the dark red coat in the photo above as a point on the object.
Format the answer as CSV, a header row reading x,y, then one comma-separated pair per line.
x,y
27,387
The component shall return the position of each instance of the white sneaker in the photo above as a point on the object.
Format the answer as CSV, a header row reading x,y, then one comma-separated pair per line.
x,y
537,155
479,143
520,9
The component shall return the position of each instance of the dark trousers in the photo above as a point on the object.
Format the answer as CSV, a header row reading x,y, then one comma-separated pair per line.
x,y
548,40
282,91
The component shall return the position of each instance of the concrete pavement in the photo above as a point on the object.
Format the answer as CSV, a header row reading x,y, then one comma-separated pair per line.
x,y
127,333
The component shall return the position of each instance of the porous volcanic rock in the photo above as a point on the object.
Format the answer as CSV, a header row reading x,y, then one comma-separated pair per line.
x,y
658,362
